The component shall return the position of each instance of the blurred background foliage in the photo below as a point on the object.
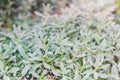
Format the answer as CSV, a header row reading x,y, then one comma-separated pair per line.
x,y
117,16
12,10
118,3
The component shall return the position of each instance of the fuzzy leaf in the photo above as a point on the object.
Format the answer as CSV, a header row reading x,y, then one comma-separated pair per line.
x,y
26,69
6,77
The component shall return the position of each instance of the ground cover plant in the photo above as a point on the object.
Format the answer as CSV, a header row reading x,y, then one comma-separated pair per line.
x,y
81,44
10,9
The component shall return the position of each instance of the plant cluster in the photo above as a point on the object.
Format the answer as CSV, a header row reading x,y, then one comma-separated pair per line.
x,y
81,44
12,9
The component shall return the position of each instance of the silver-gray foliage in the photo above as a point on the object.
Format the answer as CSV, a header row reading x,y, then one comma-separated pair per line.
x,y
81,45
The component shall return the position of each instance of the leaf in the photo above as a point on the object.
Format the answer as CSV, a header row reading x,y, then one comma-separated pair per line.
x,y
81,55
22,52
62,67
69,61
104,43
114,70
43,73
102,75
14,70
1,39
88,72
76,76
119,66
6,77
37,66
0,47
26,69
95,75
67,43
35,74
56,72
105,66
57,50
99,60
6,55
47,66
64,78
86,77
1,65
12,58
90,60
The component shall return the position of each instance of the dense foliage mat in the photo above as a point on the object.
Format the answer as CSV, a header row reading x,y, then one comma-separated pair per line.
x,y
80,45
